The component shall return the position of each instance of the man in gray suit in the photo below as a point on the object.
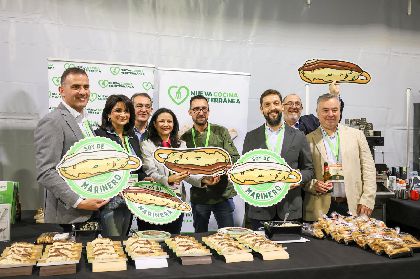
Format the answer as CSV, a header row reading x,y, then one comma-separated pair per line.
x,y
293,147
55,134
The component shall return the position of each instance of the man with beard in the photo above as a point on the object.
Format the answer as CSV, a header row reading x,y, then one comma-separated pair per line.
x,y
292,110
291,145
217,193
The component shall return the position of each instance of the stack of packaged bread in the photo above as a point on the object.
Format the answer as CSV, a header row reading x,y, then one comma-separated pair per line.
x,y
366,233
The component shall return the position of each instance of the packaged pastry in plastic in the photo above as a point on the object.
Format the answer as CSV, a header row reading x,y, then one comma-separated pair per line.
x,y
51,237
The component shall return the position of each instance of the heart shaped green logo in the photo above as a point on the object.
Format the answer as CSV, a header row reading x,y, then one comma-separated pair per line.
x,y
56,81
147,85
178,94
93,97
69,65
103,83
114,70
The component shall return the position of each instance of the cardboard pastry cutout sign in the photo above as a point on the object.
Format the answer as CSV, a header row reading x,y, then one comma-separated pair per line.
x,y
262,178
97,167
211,161
154,203
326,71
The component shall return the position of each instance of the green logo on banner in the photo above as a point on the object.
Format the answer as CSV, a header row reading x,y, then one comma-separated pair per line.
x,y
114,70
178,94
262,178
144,209
97,167
54,95
56,81
93,97
103,83
147,85
69,65
94,111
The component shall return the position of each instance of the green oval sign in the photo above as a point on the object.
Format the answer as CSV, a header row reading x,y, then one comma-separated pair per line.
x,y
154,214
97,167
262,194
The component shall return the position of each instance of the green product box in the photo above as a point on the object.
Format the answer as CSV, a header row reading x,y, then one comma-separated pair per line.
x,y
8,195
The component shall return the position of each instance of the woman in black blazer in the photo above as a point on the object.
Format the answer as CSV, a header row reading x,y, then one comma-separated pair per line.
x,y
117,124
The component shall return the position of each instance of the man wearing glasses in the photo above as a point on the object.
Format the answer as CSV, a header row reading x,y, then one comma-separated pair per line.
x,y
143,109
292,110
217,195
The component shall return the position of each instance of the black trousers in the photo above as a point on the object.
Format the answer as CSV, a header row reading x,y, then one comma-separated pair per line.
x,y
341,208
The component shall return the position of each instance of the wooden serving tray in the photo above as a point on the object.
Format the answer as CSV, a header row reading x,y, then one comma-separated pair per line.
x,y
57,270
109,266
274,255
196,260
16,271
241,257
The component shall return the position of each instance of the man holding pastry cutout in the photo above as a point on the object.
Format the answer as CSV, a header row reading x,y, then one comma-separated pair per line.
x,y
291,144
55,133
217,193
347,153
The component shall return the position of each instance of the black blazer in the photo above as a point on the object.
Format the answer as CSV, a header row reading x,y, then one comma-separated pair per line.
x,y
296,153
132,140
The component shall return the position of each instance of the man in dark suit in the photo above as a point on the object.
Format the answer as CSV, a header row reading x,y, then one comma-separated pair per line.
x,y
55,134
293,147
292,110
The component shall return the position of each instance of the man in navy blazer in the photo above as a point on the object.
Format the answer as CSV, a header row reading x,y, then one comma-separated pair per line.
x,y
55,133
295,151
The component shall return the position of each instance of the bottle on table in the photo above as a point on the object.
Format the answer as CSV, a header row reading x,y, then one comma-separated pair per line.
x,y
327,175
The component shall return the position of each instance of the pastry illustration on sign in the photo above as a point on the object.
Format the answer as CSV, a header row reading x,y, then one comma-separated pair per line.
x,y
197,161
262,178
326,71
254,173
97,167
92,163
153,197
154,203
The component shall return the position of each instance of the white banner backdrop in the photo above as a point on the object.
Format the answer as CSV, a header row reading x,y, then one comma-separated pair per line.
x,y
227,93
105,79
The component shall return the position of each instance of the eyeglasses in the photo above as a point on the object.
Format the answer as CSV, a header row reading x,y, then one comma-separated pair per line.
x,y
140,106
198,109
293,104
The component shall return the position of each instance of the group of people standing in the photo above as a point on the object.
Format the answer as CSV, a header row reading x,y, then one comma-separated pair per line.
x,y
126,121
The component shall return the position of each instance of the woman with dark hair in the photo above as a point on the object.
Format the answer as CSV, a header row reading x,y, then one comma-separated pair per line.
x,y
163,132
117,124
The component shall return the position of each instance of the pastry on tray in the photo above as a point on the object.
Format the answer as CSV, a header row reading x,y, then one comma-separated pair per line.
x,y
183,246
104,249
20,253
61,253
139,248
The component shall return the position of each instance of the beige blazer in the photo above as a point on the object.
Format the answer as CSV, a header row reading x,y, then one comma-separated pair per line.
x,y
358,168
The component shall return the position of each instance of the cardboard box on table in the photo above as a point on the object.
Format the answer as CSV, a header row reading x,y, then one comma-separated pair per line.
x,y
9,195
